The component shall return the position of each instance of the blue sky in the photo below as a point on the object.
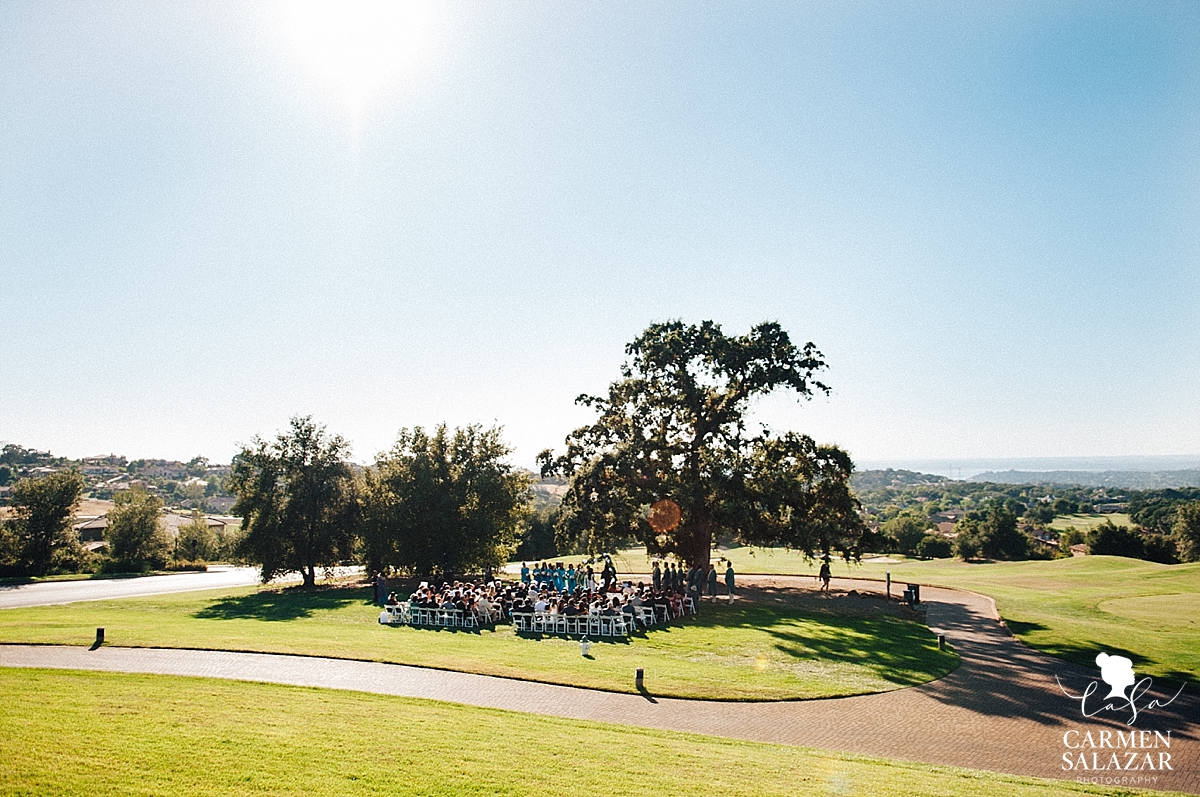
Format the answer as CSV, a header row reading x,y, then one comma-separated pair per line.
x,y
215,216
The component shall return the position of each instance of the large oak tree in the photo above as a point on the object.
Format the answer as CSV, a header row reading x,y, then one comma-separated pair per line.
x,y
673,431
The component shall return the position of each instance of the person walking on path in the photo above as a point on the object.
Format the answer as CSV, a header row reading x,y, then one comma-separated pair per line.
x,y
712,582
824,575
729,585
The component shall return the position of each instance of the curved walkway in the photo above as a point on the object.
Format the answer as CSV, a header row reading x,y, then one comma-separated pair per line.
x,y
1002,710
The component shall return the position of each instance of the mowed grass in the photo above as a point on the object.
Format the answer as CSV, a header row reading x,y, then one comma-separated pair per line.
x,y
1073,608
738,651
71,733
1089,521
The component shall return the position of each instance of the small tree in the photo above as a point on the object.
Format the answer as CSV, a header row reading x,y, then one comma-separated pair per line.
x,y
933,546
905,532
136,534
967,544
40,529
1186,530
999,536
298,500
443,503
196,541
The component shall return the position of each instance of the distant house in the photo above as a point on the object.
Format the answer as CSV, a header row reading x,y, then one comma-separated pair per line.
x,y
1108,509
1079,549
1046,538
950,516
175,521
946,528
92,529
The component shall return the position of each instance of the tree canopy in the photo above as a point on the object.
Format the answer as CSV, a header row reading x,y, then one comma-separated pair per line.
x,y
1187,531
136,534
297,497
674,429
443,503
40,527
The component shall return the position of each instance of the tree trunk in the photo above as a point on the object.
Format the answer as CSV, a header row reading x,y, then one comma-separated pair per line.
x,y
310,577
695,538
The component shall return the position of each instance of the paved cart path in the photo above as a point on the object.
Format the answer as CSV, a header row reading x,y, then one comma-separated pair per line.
x,y
1002,710
52,593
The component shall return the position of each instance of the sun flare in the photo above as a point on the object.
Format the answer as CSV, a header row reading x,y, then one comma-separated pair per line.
x,y
361,50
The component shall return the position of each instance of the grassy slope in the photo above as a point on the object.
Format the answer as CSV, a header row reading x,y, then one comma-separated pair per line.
x,y
68,733
1073,608
742,651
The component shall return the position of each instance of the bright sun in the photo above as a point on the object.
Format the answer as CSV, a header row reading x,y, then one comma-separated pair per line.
x,y
359,49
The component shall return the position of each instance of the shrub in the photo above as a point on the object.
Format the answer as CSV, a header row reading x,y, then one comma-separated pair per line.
x,y
1110,540
933,546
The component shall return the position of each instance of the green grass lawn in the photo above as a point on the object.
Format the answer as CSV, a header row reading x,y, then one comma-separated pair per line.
x,y
1073,608
743,651
1089,521
71,733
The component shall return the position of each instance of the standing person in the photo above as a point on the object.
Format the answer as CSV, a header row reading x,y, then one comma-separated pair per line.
x,y
712,582
729,584
524,573
825,575
591,579
656,577
380,589
609,574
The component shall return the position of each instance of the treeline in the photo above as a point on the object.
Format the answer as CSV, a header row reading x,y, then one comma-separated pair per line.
x,y
38,539
1004,521
439,502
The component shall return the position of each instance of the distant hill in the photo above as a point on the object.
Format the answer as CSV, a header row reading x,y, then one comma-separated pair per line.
x,y
1126,479
877,479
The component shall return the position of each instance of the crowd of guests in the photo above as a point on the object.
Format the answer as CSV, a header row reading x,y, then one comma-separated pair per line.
x,y
570,591
490,601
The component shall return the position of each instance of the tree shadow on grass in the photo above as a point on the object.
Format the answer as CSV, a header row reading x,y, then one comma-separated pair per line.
x,y
901,653
283,605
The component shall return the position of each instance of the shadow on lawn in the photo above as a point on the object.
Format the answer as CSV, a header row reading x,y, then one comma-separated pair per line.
x,y
283,605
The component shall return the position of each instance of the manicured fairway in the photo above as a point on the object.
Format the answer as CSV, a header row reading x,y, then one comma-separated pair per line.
x,y
729,652
1073,608
1088,522
70,733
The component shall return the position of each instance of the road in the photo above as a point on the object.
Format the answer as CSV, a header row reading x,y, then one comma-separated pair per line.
x,y
51,593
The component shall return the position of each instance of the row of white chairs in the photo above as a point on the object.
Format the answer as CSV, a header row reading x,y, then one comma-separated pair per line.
x,y
403,614
532,622
596,625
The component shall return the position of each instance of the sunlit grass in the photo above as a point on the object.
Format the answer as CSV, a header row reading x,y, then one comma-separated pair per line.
x,y
729,652
1073,608
100,734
